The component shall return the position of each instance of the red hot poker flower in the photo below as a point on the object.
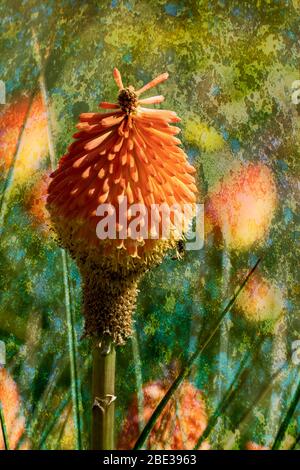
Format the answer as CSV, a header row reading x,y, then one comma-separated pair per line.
x,y
131,151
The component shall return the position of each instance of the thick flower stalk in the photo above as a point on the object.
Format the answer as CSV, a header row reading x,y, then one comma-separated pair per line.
x,y
128,154
120,181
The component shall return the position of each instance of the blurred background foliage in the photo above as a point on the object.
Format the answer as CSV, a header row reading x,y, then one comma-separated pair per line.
x,y
232,67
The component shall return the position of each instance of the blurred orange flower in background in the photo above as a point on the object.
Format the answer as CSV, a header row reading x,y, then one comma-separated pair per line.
x,y
242,206
253,446
11,405
11,122
180,425
260,299
34,140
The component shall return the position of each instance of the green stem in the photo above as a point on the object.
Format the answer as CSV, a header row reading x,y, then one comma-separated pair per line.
x,y
285,423
3,428
138,378
103,394
75,388
186,370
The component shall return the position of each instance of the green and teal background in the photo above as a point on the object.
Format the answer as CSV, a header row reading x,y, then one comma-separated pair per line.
x,y
233,69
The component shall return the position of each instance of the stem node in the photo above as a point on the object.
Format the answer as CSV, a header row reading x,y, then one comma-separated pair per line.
x,y
103,390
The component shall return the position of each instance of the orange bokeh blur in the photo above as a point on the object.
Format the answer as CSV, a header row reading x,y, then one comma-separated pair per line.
x,y
253,446
260,299
11,404
34,139
180,425
240,209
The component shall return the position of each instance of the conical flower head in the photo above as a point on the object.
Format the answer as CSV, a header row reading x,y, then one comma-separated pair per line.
x,y
127,156
120,198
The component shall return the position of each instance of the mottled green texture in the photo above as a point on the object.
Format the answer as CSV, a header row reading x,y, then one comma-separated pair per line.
x,y
232,65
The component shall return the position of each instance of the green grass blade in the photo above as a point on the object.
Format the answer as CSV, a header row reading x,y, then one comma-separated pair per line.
x,y
262,394
238,380
224,365
3,428
297,441
62,429
288,417
75,388
37,417
186,370
63,404
278,357
138,378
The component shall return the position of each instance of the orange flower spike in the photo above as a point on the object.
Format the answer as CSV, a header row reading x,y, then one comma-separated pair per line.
x,y
156,81
129,152
152,100
107,105
132,146
118,79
